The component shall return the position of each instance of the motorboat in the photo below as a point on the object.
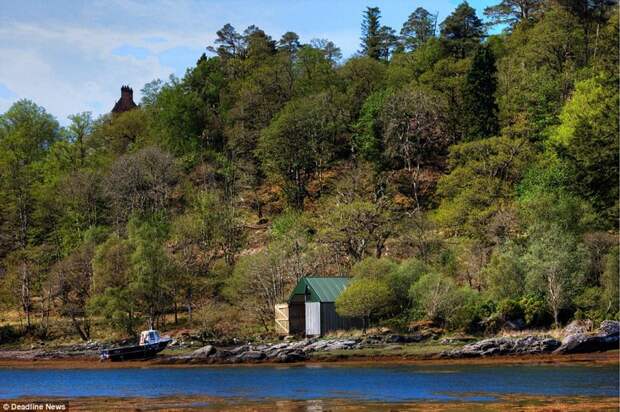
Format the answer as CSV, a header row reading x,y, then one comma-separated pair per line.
x,y
151,343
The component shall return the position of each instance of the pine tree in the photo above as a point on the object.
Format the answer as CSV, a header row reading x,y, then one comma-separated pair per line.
x,y
377,40
419,27
462,31
371,33
479,106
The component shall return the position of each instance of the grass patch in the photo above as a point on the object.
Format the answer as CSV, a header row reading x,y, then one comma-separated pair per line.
x,y
410,350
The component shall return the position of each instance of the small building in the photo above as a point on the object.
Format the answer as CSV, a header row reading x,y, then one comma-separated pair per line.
x,y
311,308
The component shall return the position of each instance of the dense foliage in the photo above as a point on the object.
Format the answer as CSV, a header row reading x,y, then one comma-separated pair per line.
x,y
459,177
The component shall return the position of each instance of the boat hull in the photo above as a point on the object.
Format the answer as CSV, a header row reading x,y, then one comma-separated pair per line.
x,y
134,352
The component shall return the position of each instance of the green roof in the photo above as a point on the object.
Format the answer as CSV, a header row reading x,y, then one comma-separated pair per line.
x,y
320,289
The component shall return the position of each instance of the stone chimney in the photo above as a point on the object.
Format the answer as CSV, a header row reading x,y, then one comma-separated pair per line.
x,y
126,102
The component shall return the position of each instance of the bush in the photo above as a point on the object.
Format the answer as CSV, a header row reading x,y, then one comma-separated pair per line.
x,y
219,320
471,311
510,309
9,334
536,311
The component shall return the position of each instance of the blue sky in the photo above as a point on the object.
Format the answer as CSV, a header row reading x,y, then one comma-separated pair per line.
x,y
73,56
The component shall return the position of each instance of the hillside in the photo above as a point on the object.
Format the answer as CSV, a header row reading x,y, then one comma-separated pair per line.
x,y
462,178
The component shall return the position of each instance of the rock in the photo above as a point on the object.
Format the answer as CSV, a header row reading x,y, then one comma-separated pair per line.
x,y
576,327
415,337
203,352
457,340
517,324
505,346
607,338
294,356
251,356
239,349
609,327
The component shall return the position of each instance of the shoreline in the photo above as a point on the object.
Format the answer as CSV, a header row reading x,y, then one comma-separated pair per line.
x,y
177,403
594,358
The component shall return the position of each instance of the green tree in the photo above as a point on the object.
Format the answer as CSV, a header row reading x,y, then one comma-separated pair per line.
x,y
414,131
610,296
512,12
150,268
79,130
377,40
418,29
556,264
587,139
300,142
481,183
479,106
434,297
462,31
27,132
364,298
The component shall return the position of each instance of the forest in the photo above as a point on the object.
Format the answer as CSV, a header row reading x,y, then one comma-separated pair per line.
x,y
458,176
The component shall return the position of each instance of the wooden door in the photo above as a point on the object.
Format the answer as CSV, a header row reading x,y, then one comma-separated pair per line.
x,y
282,319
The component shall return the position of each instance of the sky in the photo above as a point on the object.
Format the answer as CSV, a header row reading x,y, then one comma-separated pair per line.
x,y
71,56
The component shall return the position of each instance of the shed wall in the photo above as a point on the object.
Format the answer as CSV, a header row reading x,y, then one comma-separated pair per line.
x,y
331,321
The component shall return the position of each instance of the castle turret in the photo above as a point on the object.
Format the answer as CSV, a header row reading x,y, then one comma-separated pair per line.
x,y
126,102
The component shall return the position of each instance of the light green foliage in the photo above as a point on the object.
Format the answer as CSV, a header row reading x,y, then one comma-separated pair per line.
x,y
177,119
609,297
150,270
505,273
367,137
481,183
434,297
363,78
556,265
26,132
111,264
535,78
587,138
364,298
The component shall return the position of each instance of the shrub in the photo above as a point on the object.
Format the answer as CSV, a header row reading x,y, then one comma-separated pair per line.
x,y
9,334
536,311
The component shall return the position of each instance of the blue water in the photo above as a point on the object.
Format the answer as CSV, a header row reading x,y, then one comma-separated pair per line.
x,y
380,383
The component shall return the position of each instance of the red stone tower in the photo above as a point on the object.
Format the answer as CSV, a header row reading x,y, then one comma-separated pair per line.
x,y
126,102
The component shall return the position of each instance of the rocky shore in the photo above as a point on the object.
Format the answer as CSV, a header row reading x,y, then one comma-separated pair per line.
x,y
292,351
576,338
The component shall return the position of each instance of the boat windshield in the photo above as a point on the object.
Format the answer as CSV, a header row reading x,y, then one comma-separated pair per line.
x,y
153,337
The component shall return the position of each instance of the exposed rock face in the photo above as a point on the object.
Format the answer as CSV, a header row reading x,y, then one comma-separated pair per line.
x,y
505,346
577,326
579,341
204,351
125,103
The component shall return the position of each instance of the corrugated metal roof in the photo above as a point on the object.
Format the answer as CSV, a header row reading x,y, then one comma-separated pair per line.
x,y
320,289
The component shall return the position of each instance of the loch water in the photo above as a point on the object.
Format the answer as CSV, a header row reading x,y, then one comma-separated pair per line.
x,y
388,383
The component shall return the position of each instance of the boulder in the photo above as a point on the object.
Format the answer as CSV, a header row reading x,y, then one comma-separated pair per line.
x,y
293,356
251,356
606,338
576,327
204,351
516,324
505,346
609,328
411,338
